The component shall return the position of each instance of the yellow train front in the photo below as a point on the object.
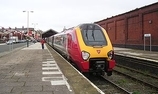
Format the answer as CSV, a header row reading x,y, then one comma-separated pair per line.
x,y
89,46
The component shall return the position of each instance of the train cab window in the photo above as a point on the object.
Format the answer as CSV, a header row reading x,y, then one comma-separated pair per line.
x,y
93,35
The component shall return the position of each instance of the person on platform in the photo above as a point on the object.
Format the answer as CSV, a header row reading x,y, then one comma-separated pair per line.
x,y
42,43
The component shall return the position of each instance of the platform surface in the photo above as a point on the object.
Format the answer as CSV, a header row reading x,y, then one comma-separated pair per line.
x,y
33,70
140,54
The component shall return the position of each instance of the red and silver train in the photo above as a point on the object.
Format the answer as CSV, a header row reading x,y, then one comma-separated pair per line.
x,y
88,46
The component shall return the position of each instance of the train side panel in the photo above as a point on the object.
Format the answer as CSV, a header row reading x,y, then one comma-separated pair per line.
x,y
59,42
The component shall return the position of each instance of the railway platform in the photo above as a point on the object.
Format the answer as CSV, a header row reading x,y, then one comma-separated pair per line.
x,y
33,70
139,54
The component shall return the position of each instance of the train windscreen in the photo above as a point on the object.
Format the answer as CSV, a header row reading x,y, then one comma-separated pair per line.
x,y
93,35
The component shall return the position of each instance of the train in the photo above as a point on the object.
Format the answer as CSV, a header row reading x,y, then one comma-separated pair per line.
x,y
88,46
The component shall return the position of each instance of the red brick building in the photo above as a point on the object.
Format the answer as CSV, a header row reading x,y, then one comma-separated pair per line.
x,y
129,29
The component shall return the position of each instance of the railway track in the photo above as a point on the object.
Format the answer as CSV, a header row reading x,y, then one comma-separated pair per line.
x,y
121,89
144,65
107,86
128,85
145,78
127,81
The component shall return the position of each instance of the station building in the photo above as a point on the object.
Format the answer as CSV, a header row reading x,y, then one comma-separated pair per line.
x,y
136,29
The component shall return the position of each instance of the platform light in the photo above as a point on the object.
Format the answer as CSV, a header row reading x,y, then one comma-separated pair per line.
x,y
150,21
28,19
28,23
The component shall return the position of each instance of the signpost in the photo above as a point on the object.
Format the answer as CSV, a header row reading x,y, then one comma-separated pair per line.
x,y
10,45
147,36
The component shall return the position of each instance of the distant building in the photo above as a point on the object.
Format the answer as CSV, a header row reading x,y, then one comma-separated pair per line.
x,y
21,33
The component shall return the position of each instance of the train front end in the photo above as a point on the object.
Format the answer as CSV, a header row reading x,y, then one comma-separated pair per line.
x,y
96,49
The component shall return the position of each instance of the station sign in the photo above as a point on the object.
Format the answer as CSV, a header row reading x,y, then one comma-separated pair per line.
x,y
147,35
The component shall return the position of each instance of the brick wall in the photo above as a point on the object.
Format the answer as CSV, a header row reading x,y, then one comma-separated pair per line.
x,y
128,29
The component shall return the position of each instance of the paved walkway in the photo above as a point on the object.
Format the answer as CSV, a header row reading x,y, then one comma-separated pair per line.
x,y
2,43
140,54
31,70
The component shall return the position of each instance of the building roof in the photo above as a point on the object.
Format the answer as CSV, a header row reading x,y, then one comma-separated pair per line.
x,y
49,33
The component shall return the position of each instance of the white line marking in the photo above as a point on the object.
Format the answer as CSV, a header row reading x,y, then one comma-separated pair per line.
x,y
51,78
49,65
50,59
49,68
56,72
49,62
62,82
67,84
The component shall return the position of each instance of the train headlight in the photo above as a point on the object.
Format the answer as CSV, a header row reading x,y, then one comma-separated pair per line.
x,y
85,55
111,54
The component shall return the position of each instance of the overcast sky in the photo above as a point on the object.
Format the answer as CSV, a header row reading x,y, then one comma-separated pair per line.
x,y
55,14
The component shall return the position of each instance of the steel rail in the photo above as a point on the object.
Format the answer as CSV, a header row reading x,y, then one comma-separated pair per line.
x,y
117,86
141,81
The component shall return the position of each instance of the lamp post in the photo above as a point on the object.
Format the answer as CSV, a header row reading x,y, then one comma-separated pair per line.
x,y
34,32
34,24
1,32
28,19
28,24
